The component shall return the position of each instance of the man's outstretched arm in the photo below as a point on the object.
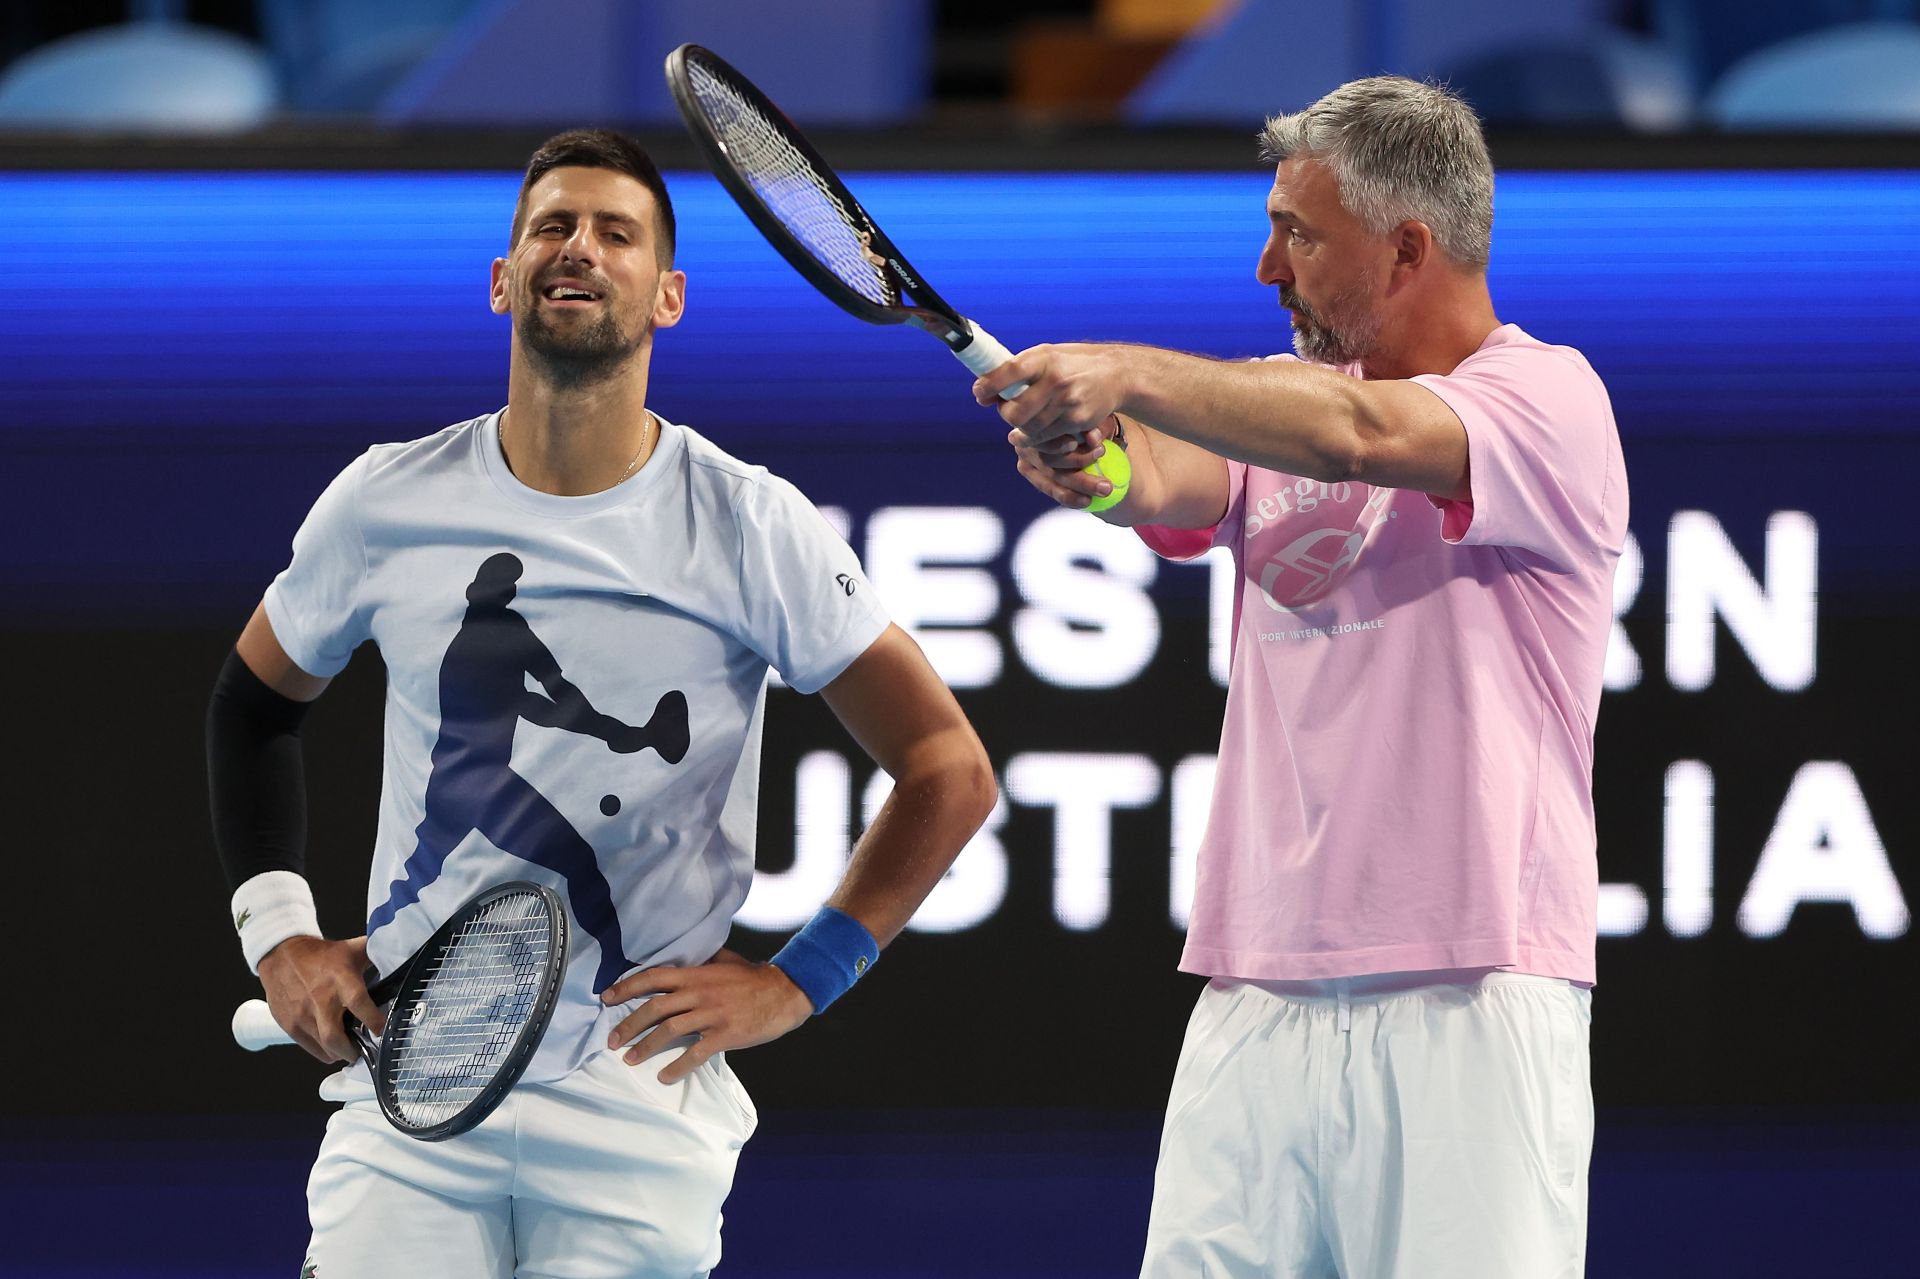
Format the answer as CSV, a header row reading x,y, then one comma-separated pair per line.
x,y
905,718
1279,414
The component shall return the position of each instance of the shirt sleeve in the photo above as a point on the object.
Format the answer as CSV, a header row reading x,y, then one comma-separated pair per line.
x,y
1541,467
810,610
1188,543
316,604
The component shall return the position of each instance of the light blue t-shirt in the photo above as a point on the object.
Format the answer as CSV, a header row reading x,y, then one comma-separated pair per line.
x,y
575,686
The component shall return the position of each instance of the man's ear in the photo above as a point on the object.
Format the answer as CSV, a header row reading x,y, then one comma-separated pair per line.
x,y
1413,246
497,288
672,302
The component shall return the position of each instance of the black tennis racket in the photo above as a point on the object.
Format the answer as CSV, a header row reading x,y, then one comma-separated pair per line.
x,y
803,209
464,1014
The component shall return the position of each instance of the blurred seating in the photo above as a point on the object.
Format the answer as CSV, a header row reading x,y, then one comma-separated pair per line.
x,y
346,56
1075,68
145,76
1085,67
1154,19
1538,84
1710,36
1255,57
826,62
1862,76
1652,87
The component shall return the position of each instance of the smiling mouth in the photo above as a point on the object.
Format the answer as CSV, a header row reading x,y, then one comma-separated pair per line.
x,y
568,293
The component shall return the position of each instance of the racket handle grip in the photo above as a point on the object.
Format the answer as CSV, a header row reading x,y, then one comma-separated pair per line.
x,y
254,1027
985,354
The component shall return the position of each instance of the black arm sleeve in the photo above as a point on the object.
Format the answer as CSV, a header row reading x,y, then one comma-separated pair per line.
x,y
255,777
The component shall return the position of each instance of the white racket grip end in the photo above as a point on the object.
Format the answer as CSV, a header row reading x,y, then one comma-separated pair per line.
x,y
985,354
254,1027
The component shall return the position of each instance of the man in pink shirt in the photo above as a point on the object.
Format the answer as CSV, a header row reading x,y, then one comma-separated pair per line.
x,y
1387,1074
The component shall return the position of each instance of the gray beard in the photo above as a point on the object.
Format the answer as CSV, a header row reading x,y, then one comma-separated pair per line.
x,y
592,355
1342,334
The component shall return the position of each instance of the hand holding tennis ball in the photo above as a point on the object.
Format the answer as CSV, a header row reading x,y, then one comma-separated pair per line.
x,y
1113,467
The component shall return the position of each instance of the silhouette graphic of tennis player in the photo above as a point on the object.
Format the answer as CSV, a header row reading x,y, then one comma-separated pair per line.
x,y
472,786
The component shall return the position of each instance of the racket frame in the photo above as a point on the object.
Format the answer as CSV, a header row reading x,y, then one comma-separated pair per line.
x,y
933,314
411,978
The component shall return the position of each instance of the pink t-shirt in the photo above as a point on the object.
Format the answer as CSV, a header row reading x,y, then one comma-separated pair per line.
x,y
1405,777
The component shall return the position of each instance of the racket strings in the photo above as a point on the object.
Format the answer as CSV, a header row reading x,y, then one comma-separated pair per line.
x,y
790,186
445,1047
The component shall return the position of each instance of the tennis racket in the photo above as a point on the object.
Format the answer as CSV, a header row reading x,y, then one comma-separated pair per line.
x,y
464,1014
803,209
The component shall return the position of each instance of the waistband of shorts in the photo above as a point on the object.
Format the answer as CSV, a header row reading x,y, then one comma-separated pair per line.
x,y
1381,985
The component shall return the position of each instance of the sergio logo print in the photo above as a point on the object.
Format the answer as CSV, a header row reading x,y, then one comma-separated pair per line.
x,y
1324,550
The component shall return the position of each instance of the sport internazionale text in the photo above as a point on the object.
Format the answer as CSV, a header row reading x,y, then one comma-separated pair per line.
x,y
1316,632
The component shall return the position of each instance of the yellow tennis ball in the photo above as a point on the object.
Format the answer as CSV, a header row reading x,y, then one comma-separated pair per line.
x,y
1113,467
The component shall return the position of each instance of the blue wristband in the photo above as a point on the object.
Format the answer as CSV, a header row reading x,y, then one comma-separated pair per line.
x,y
826,957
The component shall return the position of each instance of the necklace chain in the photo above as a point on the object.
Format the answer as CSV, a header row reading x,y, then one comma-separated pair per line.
x,y
646,433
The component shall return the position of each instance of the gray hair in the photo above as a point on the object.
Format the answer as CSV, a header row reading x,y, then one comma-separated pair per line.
x,y
1400,151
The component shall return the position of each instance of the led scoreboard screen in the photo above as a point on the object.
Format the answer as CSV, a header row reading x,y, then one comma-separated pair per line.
x,y
222,343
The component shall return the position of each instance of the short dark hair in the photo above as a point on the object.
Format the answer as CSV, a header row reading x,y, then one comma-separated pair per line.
x,y
601,149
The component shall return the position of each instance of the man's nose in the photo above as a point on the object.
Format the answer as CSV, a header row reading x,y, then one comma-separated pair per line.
x,y
1274,266
579,246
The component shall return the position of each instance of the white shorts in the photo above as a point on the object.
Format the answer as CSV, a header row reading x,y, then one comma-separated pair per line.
x,y
1359,1129
607,1173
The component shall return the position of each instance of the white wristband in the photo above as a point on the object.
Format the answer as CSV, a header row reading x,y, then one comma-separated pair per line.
x,y
269,908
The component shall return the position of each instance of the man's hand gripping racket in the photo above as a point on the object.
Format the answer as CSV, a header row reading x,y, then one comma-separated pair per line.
x,y
322,990
463,1015
803,209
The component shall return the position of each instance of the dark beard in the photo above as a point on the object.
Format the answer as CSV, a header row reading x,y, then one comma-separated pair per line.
x,y
592,354
1330,337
